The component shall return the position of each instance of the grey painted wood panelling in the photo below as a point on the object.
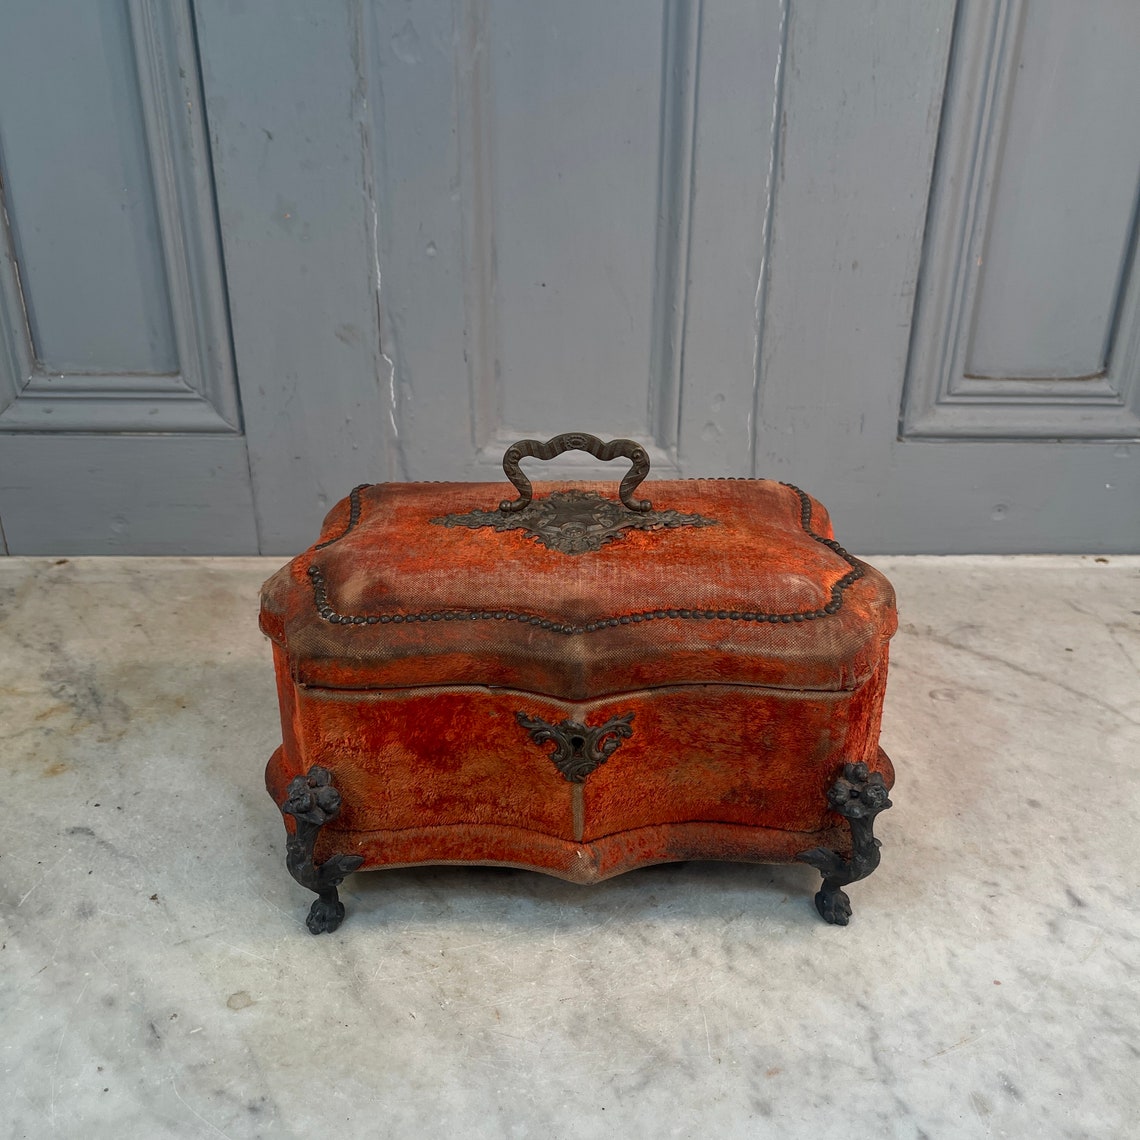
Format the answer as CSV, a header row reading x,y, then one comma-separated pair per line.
x,y
735,185
94,285
530,214
112,300
884,250
287,101
851,199
1063,195
554,212
573,114
1028,315
447,226
116,494
119,413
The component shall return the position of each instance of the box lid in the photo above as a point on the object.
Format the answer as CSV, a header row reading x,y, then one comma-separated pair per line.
x,y
735,581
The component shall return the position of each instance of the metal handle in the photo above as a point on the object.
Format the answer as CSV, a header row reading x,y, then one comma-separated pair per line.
x,y
576,441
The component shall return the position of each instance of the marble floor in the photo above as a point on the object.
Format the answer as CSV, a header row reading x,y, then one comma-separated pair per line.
x,y
157,980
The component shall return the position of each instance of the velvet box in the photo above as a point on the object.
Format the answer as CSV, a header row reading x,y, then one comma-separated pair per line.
x,y
578,681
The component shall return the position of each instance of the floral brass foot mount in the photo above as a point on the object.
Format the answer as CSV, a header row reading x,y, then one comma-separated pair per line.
x,y
858,795
313,801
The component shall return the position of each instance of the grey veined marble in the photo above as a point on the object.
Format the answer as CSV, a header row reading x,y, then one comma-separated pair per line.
x,y
157,980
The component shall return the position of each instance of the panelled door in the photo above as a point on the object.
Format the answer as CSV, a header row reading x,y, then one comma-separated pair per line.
x,y
258,253
120,415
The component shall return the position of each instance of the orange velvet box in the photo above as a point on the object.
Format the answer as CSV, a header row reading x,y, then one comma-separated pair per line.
x,y
578,682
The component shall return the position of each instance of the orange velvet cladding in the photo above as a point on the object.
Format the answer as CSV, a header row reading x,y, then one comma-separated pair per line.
x,y
751,653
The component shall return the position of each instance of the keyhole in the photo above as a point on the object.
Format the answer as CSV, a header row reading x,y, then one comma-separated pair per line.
x,y
577,743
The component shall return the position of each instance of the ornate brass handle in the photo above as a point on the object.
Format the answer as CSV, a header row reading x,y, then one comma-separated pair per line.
x,y
576,441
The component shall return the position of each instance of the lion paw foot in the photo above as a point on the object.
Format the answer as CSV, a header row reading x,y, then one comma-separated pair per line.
x,y
834,907
325,915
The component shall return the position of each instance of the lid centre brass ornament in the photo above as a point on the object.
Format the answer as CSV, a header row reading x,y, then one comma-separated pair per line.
x,y
575,521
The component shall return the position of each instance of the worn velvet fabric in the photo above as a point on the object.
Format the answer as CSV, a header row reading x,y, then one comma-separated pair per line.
x,y
744,708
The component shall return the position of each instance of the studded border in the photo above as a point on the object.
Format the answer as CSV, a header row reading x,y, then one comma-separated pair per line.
x,y
353,515
329,614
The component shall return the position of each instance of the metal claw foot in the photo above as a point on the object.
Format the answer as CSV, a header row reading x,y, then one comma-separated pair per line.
x,y
313,801
858,795
326,913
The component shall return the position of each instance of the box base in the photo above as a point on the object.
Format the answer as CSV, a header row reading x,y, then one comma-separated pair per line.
x,y
318,855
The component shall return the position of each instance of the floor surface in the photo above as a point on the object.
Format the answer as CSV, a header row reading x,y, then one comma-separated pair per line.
x,y
157,980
